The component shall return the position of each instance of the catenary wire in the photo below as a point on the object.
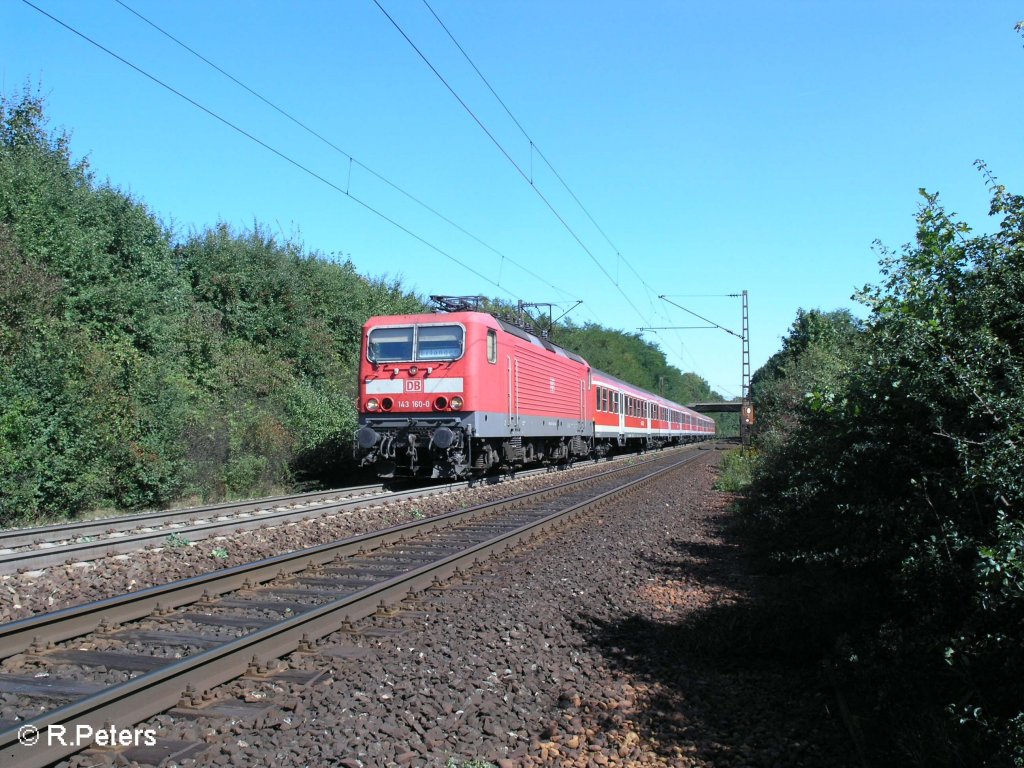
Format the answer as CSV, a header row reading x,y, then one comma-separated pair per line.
x,y
501,148
339,150
533,145
275,151
649,291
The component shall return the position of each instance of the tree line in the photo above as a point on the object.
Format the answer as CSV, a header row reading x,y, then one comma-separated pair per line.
x,y
139,369
888,490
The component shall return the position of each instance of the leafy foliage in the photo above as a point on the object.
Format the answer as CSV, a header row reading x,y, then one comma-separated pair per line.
x,y
891,488
735,470
134,371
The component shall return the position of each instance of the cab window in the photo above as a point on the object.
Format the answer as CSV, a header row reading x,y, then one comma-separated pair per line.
x,y
389,345
439,342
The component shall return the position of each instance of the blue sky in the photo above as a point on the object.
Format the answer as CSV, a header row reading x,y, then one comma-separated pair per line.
x,y
717,146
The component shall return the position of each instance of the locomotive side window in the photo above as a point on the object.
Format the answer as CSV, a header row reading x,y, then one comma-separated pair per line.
x,y
492,346
440,342
387,345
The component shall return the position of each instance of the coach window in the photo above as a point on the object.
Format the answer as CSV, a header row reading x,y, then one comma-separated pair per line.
x,y
492,346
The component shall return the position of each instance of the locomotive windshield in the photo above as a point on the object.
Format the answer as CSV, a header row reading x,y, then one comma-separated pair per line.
x,y
439,342
422,342
390,345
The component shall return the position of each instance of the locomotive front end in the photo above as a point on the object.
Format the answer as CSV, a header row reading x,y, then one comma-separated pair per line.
x,y
414,419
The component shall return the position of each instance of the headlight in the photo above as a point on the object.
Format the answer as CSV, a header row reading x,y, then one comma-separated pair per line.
x,y
456,403
372,404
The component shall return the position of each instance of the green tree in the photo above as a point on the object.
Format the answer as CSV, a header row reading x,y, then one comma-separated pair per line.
x,y
135,371
893,498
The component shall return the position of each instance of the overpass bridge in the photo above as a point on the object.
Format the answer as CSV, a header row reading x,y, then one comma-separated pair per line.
x,y
734,406
744,408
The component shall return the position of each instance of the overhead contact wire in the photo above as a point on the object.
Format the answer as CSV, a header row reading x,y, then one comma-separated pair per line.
x,y
508,157
533,146
269,148
536,149
352,160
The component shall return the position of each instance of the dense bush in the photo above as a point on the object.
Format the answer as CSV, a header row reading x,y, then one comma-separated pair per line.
x,y
134,371
139,371
890,490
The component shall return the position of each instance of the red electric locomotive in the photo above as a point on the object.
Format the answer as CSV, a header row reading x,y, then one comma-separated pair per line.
x,y
456,394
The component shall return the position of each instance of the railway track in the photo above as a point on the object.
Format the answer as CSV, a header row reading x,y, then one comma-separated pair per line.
x,y
136,655
44,546
29,549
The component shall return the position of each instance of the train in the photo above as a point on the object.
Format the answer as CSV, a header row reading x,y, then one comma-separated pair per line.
x,y
460,394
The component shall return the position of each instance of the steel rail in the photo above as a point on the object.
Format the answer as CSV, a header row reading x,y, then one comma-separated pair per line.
x,y
197,531
77,620
142,697
120,535
23,537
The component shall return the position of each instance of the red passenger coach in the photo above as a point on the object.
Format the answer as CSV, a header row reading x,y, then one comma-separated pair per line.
x,y
459,393
633,418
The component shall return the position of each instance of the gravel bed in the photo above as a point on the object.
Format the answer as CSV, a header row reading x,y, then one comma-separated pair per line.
x,y
32,592
610,642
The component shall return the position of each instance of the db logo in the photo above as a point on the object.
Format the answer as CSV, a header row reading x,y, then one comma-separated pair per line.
x,y
413,385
